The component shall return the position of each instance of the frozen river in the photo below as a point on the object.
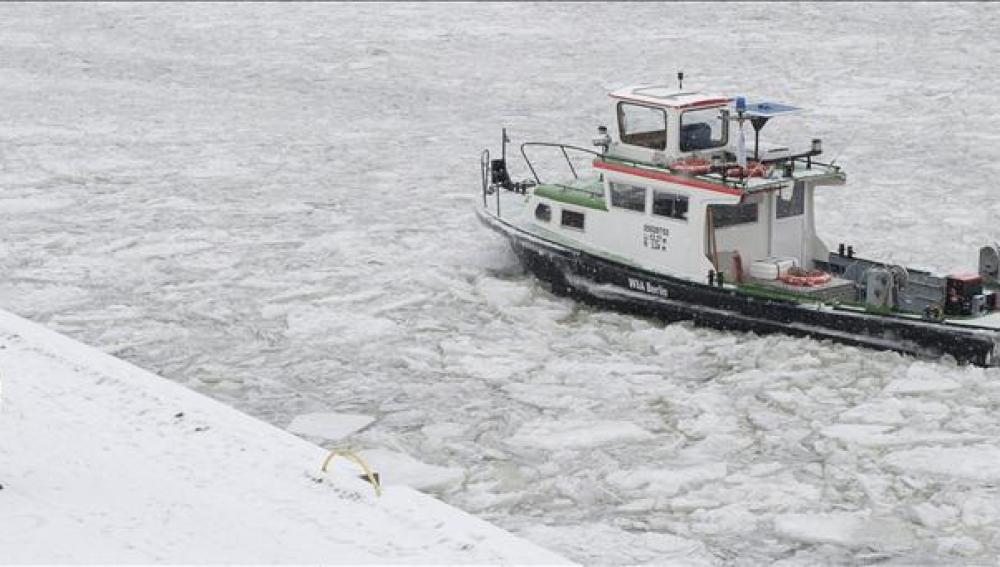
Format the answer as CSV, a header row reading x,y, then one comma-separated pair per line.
x,y
273,205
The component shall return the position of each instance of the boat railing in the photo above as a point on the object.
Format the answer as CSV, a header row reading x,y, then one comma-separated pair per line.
x,y
484,166
809,161
737,183
740,183
565,149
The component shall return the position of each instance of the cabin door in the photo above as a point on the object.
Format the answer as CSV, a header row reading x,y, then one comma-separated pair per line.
x,y
788,234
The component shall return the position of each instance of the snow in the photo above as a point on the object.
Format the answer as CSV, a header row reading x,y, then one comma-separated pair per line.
x,y
107,463
299,246
329,426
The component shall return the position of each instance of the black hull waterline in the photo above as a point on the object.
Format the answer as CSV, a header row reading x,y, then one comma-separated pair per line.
x,y
607,284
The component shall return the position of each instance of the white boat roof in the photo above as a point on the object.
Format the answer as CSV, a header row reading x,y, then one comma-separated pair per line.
x,y
669,97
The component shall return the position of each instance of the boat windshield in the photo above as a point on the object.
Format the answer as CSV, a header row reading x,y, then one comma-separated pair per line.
x,y
703,129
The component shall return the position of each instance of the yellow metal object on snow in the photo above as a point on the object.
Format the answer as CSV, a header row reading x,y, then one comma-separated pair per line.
x,y
351,455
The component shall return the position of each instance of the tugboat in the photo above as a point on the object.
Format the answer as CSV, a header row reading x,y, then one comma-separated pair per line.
x,y
676,215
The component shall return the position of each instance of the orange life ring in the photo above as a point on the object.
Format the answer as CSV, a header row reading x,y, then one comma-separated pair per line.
x,y
693,166
753,169
806,279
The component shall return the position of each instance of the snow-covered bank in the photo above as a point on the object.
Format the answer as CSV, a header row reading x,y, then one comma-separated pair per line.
x,y
101,461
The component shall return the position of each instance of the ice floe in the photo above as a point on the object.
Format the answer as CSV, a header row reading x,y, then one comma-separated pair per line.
x,y
329,426
624,547
889,436
576,434
921,382
848,529
666,481
972,463
399,468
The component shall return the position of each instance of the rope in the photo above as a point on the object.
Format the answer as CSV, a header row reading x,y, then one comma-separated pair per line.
x,y
351,455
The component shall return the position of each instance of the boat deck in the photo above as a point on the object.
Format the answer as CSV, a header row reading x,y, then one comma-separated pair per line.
x,y
990,320
835,290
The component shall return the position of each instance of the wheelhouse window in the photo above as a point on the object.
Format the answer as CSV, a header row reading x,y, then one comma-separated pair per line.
x,y
795,204
572,219
703,130
732,215
671,205
543,212
628,197
642,125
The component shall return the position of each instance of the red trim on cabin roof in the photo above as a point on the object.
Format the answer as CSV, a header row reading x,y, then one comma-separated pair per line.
x,y
660,176
690,105
709,102
965,277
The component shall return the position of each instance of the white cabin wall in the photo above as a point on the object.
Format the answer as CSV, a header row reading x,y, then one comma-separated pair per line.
x,y
621,232
765,237
555,222
599,233
751,240
695,256
818,250
679,253
789,236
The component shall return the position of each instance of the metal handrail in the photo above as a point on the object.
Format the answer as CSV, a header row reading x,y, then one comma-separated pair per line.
x,y
603,157
484,166
562,147
739,183
807,159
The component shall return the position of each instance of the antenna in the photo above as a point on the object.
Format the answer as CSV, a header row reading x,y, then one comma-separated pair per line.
x,y
680,80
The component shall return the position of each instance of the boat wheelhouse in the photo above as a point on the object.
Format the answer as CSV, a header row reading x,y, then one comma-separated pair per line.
x,y
682,212
690,219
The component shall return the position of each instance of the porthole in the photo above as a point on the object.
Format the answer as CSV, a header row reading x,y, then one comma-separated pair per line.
x,y
543,212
